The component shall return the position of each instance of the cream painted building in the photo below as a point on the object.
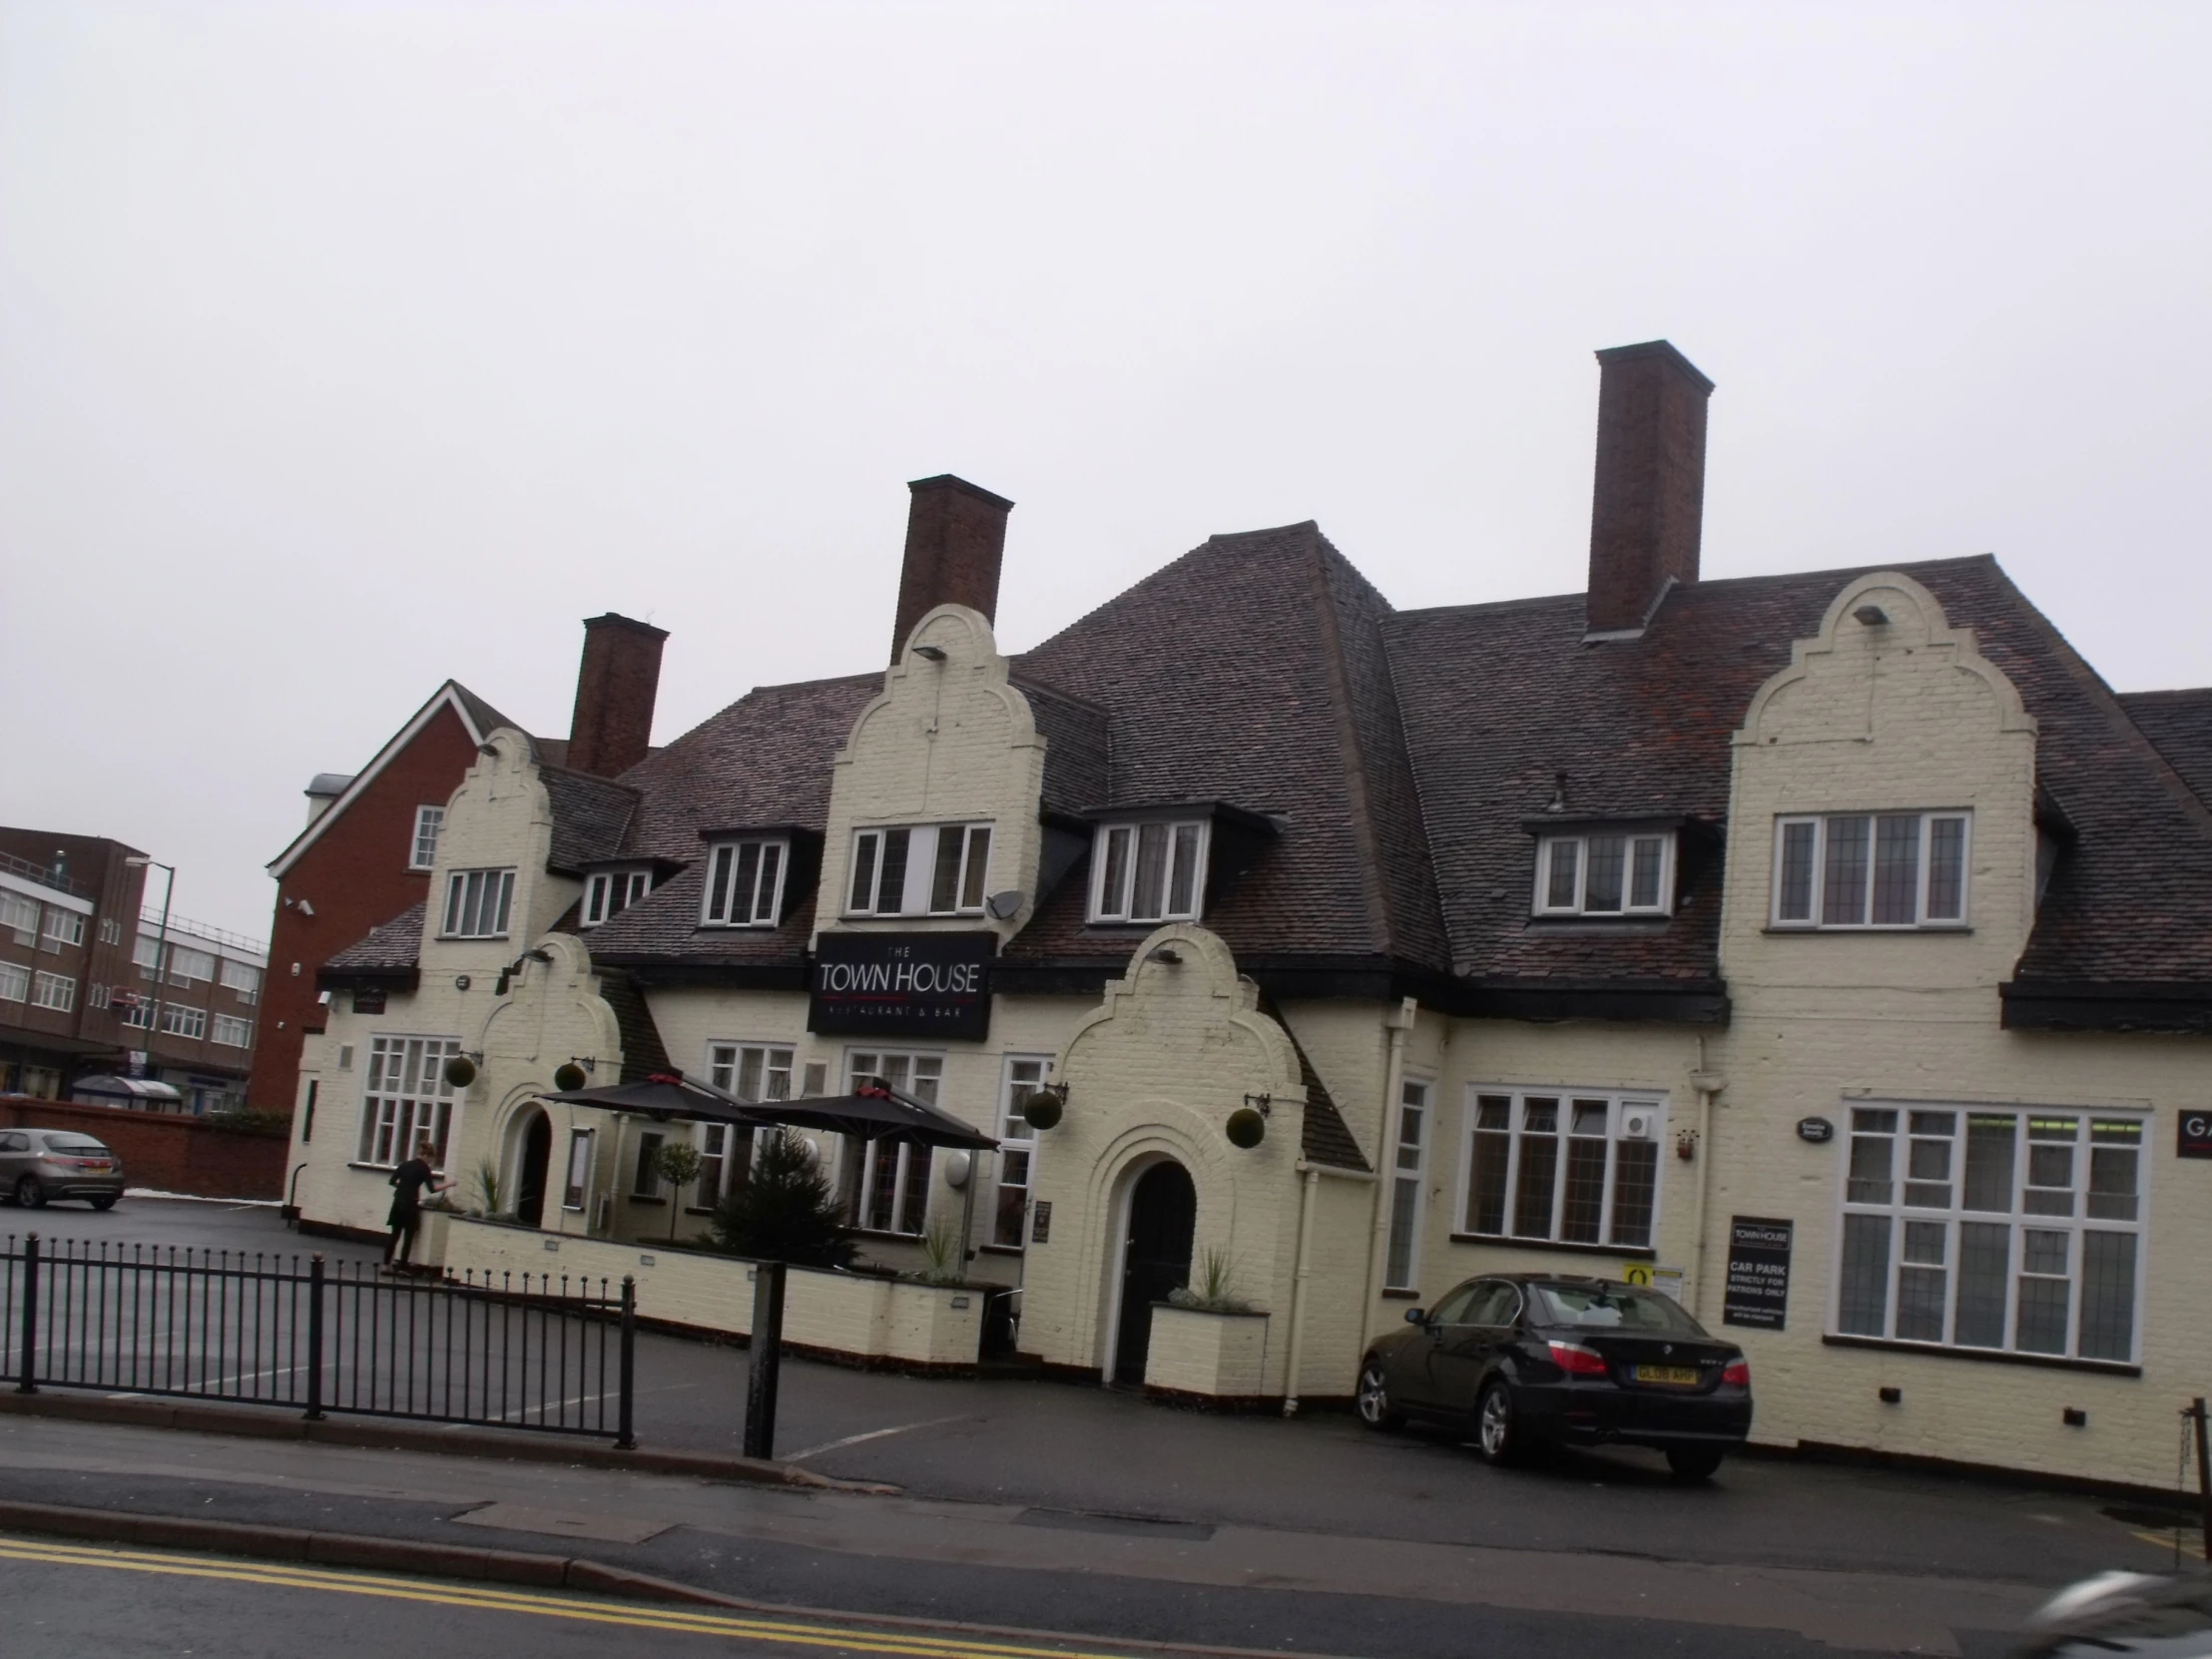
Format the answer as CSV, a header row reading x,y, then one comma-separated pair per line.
x,y
1828,950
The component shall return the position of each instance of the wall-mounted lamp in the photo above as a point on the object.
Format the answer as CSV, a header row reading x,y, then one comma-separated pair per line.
x,y
1872,616
931,653
1166,955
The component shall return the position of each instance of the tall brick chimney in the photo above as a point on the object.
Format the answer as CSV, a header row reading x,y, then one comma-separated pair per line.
x,y
616,684
1649,501
955,540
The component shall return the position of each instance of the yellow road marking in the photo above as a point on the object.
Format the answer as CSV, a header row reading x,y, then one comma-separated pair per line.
x,y
2168,1540
490,1598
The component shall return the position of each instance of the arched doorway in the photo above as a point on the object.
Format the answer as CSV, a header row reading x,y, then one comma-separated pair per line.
x,y
530,1169
1156,1259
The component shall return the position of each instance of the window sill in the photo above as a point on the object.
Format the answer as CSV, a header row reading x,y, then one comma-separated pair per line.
x,y
1629,1253
1402,1296
640,1198
1988,1356
1940,929
470,939
694,1210
887,1237
1000,1250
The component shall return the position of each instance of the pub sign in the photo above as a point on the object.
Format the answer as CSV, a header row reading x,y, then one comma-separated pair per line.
x,y
901,986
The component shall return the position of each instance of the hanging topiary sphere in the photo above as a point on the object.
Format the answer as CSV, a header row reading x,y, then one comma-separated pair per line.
x,y
1041,1110
569,1077
1245,1128
460,1071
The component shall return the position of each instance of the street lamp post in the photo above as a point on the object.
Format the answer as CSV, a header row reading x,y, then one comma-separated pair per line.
x,y
139,861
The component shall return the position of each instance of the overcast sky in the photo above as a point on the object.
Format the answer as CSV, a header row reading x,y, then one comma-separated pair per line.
x,y
347,347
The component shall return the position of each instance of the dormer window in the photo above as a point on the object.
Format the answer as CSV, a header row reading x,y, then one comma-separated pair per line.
x,y
1149,872
1606,873
744,883
1872,870
932,869
612,891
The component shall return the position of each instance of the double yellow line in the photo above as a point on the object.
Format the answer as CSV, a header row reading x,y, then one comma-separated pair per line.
x,y
773,1631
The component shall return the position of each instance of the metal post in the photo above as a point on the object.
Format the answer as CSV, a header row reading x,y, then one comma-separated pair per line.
x,y
315,1337
29,1382
765,1360
2204,1470
628,1440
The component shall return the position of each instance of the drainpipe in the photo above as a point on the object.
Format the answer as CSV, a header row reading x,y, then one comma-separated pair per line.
x,y
1297,1285
1708,1084
1401,1024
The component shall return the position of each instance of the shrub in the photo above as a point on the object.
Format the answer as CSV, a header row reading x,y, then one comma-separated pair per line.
x,y
785,1211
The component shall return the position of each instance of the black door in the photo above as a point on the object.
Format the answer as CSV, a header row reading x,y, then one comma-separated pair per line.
x,y
1163,1212
537,1153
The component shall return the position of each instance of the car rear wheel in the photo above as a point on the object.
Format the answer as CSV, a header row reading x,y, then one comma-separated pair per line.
x,y
1497,1432
1693,1462
30,1194
1373,1399
104,1202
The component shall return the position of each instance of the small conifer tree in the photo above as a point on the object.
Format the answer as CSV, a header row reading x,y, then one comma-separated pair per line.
x,y
785,1211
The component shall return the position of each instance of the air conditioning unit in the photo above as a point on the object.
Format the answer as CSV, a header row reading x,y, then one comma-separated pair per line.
x,y
1639,1123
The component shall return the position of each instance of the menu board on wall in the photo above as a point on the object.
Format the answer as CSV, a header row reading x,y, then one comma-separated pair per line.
x,y
1757,1291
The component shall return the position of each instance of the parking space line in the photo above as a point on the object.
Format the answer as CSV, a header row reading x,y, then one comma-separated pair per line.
x,y
872,1434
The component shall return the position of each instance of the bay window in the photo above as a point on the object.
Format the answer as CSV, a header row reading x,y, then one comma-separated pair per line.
x,y
1561,1166
2006,1230
1149,872
920,870
1871,869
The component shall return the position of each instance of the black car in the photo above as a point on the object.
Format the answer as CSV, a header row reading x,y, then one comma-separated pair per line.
x,y
1528,1358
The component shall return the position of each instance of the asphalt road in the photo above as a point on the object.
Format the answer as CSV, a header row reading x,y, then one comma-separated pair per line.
x,y
1075,1508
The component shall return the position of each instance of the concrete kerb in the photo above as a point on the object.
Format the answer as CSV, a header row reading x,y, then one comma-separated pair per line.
x,y
452,1440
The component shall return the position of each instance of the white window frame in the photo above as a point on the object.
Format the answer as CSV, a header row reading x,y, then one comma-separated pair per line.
x,y
2019,1220
750,1070
1574,851
645,1178
189,965
57,991
916,895
182,1019
1413,1129
403,1095
576,1180
1117,854
744,882
915,1072
609,893
145,955
474,897
20,917
138,1014
60,928
14,982
422,850
1814,920
1016,1183
233,1033
242,977
111,930
1614,1233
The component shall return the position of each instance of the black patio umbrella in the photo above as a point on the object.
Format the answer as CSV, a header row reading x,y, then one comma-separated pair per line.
x,y
871,1112
664,1095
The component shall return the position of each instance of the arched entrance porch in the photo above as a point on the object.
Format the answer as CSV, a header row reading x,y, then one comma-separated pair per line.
x,y
533,1140
1156,1259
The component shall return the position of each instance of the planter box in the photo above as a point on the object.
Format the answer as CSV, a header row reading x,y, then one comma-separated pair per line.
x,y
843,1316
1216,1361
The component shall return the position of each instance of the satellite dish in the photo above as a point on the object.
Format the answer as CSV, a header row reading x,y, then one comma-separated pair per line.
x,y
1004,907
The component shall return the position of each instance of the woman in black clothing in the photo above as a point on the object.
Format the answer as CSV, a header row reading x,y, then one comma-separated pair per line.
x,y
409,1180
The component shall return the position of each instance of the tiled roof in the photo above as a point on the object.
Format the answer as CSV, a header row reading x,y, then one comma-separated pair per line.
x,y
390,948
1078,747
2179,725
589,818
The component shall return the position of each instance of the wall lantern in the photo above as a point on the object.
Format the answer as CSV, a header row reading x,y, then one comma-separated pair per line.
x,y
460,1071
1245,1128
1043,1108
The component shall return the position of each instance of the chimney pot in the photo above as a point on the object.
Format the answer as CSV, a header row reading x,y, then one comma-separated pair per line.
x,y
1648,504
955,542
616,684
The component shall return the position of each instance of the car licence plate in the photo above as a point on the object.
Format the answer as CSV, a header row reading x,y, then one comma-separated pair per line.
x,y
1679,1377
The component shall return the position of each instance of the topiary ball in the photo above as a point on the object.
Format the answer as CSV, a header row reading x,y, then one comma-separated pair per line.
x,y
568,1078
460,1071
1041,1110
1245,1128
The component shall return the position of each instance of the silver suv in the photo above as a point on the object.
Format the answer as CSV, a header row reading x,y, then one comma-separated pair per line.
x,y
39,1163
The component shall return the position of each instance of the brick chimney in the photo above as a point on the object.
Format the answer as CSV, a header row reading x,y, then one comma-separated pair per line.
x,y
955,540
1649,501
615,687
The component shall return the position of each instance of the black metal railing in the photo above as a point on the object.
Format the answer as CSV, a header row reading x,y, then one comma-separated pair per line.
x,y
518,1352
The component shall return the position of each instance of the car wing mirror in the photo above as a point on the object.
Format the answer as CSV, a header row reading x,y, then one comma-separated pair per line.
x,y
1416,1316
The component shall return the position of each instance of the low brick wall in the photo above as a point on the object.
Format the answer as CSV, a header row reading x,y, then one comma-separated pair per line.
x,y
171,1153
